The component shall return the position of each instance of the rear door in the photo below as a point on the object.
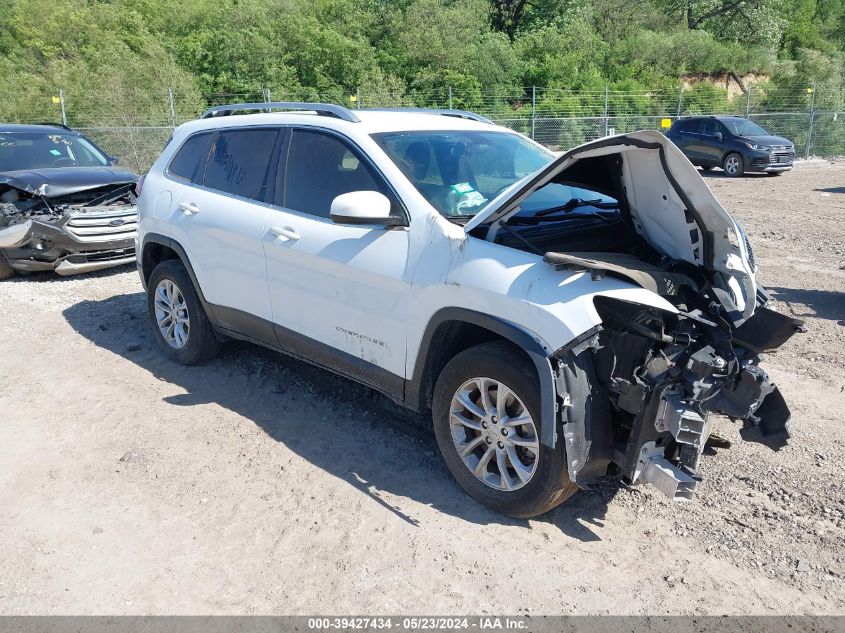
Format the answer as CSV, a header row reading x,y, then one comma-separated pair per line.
x,y
690,140
220,216
339,292
711,145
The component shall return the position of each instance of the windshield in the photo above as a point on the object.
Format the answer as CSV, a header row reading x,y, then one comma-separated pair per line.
x,y
562,202
459,172
36,150
744,127
571,197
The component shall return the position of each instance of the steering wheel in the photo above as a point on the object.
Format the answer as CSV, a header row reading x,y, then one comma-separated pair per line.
x,y
62,161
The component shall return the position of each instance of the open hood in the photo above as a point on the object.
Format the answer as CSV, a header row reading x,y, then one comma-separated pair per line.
x,y
669,204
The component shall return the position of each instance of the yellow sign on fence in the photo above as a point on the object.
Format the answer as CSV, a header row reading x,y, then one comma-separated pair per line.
x,y
665,123
56,100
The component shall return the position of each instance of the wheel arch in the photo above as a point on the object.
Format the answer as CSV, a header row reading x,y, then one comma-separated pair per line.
x,y
451,331
157,248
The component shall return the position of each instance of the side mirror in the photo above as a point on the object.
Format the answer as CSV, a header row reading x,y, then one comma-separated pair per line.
x,y
718,136
363,207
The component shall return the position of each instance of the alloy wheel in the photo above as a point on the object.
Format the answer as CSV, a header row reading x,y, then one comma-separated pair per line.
x,y
171,313
732,165
494,434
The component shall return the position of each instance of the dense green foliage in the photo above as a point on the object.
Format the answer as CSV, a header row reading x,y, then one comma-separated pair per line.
x,y
115,58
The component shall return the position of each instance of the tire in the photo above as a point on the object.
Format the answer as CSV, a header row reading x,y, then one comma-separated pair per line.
x,y
493,365
192,340
6,270
733,165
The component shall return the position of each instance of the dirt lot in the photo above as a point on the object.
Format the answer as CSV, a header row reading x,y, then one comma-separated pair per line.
x,y
257,484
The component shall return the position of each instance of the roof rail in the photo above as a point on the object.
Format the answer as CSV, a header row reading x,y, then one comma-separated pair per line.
x,y
323,109
460,114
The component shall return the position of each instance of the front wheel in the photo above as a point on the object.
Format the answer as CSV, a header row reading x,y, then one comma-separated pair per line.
x,y
180,325
733,165
486,414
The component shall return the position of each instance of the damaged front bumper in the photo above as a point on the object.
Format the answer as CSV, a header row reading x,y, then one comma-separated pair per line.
x,y
637,394
79,240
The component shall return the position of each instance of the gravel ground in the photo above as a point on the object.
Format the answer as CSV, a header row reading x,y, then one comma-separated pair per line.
x,y
257,484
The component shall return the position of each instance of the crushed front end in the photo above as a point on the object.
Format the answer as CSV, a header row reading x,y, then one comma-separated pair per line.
x,y
653,381
74,233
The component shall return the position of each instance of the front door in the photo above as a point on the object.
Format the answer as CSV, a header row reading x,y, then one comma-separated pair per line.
x,y
712,142
339,293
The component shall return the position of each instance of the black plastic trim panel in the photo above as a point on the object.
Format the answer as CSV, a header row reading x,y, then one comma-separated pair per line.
x,y
244,326
416,387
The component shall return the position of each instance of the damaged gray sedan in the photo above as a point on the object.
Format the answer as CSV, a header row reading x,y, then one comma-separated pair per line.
x,y
64,206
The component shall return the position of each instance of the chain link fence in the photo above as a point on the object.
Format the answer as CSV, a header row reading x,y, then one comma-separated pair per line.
x,y
135,127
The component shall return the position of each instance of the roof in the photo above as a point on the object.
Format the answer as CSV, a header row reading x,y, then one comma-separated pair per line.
x,y
34,127
718,117
369,121
395,121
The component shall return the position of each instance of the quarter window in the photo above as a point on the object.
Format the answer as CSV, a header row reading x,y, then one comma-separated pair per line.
x,y
321,167
189,162
240,161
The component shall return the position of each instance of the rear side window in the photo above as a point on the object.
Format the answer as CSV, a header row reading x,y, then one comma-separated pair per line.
x,y
189,162
321,167
240,162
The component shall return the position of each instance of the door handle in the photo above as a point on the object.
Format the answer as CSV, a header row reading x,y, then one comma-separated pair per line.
x,y
285,232
189,207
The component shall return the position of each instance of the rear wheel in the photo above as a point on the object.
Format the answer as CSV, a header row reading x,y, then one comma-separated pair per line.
x,y
180,324
486,414
733,165
6,270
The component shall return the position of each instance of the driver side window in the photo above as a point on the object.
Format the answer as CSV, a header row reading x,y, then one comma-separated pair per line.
x,y
712,127
320,167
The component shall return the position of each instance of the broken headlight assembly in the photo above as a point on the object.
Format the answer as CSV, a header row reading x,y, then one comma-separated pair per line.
x,y
664,375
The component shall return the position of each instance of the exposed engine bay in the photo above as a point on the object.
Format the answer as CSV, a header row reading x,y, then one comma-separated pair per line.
x,y
69,230
638,392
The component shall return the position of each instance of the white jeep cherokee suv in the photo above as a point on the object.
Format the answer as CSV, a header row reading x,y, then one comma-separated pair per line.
x,y
561,318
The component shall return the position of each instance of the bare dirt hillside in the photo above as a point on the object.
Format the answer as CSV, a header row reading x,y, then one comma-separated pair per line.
x,y
256,484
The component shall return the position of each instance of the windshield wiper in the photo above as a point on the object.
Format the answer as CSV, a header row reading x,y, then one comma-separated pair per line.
x,y
575,203
513,233
534,220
